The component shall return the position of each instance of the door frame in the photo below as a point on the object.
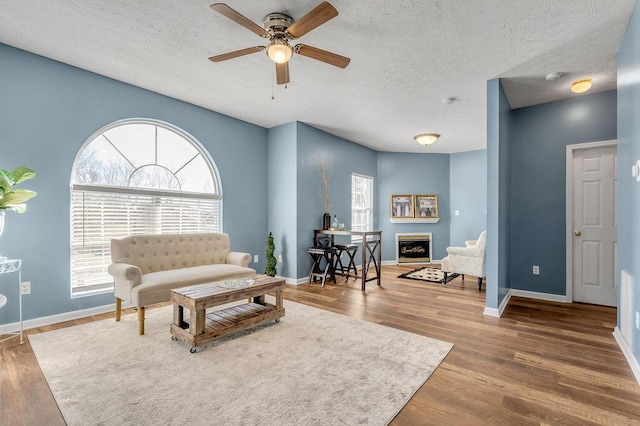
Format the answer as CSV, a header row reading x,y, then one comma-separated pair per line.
x,y
569,205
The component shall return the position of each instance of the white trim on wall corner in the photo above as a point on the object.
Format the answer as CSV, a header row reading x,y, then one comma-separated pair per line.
x,y
628,354
493,312
540,296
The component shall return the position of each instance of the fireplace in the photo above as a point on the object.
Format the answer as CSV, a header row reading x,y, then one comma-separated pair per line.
x,y
413,248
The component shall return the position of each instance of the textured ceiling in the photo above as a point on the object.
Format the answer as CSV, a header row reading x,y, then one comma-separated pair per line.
x,y
406,57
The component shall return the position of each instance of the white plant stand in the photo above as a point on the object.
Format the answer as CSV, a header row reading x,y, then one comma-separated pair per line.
x,y
8,266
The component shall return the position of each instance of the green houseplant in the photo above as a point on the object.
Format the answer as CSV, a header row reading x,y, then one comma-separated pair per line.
x,y
10,197
271,259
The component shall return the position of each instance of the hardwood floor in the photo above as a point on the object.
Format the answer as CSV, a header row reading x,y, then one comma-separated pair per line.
x,y
541,363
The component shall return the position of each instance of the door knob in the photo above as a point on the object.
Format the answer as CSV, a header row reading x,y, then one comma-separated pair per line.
x,y
577,233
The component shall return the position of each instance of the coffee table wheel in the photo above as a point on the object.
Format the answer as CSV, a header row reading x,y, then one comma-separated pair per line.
x,y
193,350
277,320
174,338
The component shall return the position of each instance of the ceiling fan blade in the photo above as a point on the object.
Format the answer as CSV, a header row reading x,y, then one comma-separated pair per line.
x,y
312,20
238,18
322,55
282,73
235,54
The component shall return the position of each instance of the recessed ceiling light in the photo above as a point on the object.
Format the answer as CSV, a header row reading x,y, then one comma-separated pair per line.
x,y
426,138
581,86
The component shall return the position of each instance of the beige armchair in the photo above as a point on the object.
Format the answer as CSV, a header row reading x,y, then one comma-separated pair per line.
x,y
467,260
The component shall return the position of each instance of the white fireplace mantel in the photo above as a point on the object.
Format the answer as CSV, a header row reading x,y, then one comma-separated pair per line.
x,y
414,219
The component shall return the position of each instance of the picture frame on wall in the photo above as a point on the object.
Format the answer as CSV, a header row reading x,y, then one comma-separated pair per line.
x,y
402,206
426,206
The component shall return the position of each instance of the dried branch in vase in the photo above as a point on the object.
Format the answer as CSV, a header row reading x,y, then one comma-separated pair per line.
x,y
325,175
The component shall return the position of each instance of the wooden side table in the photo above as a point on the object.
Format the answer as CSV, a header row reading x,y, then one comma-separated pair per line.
x,y
6,267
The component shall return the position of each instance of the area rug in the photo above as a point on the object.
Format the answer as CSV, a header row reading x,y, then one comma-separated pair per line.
x,y
313,368
429,274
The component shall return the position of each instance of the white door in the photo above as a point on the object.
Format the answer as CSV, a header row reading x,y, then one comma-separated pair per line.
x,y
594,226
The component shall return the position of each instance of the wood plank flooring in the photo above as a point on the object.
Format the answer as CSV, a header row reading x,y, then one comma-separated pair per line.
x,y
542,363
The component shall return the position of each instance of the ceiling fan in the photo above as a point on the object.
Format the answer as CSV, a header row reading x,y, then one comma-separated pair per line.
x,y
279,29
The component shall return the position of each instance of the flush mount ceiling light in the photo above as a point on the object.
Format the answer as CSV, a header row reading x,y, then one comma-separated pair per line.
x,y
426,138
581,86
279,51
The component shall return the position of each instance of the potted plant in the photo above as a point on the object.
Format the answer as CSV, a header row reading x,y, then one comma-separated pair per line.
x,y
12,198
270,269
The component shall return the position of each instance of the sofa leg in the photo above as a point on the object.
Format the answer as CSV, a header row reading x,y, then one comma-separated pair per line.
x,y
445,279
462,277
479,283
118,308
141,320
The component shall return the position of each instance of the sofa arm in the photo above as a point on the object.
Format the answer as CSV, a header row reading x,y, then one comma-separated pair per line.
x,y
463,251
237,258
125,272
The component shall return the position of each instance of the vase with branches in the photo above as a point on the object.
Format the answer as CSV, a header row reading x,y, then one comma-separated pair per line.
x,y
325,176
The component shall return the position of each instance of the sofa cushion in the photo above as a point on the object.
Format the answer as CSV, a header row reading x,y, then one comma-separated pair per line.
x,y
156,286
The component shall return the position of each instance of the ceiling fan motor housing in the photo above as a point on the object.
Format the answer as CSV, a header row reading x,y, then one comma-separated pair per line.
x,y
277,23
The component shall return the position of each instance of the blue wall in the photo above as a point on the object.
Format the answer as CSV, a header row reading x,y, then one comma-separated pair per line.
x,y
498,193
401,173
468,180
282,210
47,111
628,153
345,158
539,136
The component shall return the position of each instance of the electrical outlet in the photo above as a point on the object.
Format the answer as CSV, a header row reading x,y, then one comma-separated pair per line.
x,y
25,287
637,320
279,258
536,270
255,258
457,212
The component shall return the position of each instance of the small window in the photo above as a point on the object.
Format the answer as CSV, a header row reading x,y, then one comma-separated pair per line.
x,y
361,204
136,177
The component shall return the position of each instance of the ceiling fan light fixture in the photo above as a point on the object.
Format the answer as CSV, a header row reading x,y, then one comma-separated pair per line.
x,y
279,51
426,138
581,86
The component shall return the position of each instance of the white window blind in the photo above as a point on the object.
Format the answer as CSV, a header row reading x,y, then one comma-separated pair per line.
x,y
361,203
116,192
99,216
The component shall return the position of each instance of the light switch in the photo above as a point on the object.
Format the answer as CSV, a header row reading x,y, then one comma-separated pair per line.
x,y
457,213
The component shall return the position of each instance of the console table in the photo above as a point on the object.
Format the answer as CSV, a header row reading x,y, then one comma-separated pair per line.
x,y
6,267
371,250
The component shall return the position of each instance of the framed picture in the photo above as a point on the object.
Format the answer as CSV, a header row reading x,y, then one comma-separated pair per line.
x,y
402,206
426,206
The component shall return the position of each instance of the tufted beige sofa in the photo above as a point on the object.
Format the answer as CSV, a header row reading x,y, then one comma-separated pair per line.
x,y
146,267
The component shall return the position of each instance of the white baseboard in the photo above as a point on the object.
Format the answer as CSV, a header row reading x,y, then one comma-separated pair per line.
x,y
493,312
628,354
65,316
540,296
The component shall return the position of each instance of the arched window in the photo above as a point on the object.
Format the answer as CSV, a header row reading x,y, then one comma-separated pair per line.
x,y
136,177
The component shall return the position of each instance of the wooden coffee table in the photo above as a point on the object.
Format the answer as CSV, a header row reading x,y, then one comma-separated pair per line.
x,y
200,327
